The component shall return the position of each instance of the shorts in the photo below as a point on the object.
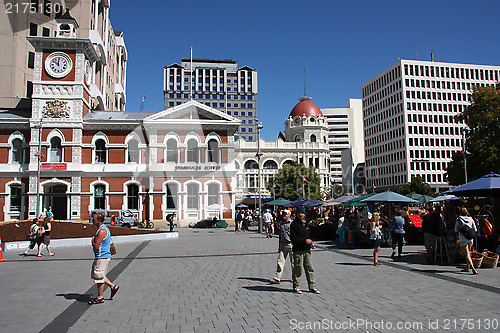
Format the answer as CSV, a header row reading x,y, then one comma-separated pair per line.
x,y
46,240
376,243
429,240
99,269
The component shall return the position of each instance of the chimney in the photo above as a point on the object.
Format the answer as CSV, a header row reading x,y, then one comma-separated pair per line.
x,y
432,57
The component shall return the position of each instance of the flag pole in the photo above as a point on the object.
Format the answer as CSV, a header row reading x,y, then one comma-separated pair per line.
x,y
191,83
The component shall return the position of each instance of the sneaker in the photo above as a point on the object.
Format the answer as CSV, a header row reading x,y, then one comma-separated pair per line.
x,y
297,291
275,281
315,291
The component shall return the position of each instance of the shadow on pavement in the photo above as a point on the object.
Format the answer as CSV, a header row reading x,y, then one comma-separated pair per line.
x,y
268,288
84,298
352,264
254,279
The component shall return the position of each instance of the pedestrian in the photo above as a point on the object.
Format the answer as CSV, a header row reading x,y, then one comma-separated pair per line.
x,y
268,220
301,252
431,222
170,220
284,247
376,237
46,228
246,221
397,233
342,228
34,236
465,243
101,245
49,213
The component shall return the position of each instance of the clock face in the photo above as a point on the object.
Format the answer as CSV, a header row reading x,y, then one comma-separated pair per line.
x,y
58,64
88,73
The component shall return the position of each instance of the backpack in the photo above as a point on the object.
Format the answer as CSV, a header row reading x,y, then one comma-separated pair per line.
x,y
467,231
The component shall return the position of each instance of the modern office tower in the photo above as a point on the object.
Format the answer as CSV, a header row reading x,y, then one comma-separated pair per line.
x,y
409,123
345,132
216,83
17,55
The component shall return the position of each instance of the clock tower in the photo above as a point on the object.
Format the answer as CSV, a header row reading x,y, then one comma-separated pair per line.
x,y
63,76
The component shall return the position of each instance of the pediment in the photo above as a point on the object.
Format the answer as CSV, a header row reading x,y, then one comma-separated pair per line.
x,y
191,111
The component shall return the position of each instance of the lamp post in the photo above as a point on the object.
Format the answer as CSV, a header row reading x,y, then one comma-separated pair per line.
x,y
259,154
464,152
39,155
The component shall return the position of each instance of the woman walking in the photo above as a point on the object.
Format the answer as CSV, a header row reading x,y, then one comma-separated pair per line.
x,y
46,229
397,233
376,237
465,243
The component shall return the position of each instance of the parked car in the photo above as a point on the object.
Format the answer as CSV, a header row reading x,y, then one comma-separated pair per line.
x,y
124,218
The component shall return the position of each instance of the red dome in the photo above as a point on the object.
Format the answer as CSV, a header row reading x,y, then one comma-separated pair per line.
x,y
305,108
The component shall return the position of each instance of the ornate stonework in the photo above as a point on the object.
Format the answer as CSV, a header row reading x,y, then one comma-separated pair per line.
x,y
56,109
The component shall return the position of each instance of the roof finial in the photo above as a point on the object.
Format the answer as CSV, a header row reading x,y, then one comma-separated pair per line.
x,y
305,82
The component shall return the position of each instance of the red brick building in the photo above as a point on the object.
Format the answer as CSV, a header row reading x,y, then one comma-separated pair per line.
x,y
153,163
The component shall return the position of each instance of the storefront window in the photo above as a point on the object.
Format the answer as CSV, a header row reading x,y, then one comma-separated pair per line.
x,y
15,198
172,190
193,191
133,196
99,197
213,194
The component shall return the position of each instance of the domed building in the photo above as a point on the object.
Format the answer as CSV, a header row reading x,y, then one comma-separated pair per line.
x,y
304,140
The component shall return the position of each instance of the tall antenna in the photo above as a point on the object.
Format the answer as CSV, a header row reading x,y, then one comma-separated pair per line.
x,y
142,103
192,75
305,82
416,48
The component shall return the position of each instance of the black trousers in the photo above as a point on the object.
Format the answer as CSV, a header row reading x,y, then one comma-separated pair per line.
x,y
397,239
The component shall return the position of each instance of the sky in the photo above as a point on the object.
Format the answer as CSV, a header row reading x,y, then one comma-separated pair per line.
x,y
342,44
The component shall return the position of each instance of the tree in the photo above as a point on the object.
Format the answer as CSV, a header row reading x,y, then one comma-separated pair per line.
x,y
417,185
289,180
482,118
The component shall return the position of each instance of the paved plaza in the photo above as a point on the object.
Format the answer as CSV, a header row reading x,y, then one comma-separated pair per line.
x,y
215,280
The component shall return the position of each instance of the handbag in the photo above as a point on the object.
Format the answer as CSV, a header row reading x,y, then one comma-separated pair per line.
x,y
467,231
112,249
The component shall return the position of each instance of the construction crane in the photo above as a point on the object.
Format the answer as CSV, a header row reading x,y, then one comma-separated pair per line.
x,y
142,103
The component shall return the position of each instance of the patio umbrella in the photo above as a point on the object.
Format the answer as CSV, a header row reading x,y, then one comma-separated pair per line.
x,y
445,197
295,203
356,201
278,202
312,203
242,206
339,200
413,195
424,198
389,196
217,207
486,185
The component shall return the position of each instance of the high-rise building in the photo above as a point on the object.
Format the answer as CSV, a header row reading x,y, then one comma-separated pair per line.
x,y
345,132
409,123
17,55
217,83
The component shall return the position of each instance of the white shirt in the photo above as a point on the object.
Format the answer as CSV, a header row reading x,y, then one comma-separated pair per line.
x,y
268,218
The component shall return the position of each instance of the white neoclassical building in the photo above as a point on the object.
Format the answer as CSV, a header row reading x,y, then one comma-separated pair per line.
x,y
304,140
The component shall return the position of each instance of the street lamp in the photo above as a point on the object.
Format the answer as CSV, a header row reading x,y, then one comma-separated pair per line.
x,y
39,155
259,154
464,151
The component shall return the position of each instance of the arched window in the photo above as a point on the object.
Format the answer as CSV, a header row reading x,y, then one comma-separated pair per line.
x,y
251,164
17,151
15,198
133,151
172,151
313,137
213,194
288,162
100,151
193,154
193,194
297,138
100,196
55,149
172,190
133,196
213,151
270,164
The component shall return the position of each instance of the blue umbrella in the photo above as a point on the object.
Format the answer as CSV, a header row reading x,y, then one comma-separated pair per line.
x,y
295,203
242,206
486,185
389,196
312,203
